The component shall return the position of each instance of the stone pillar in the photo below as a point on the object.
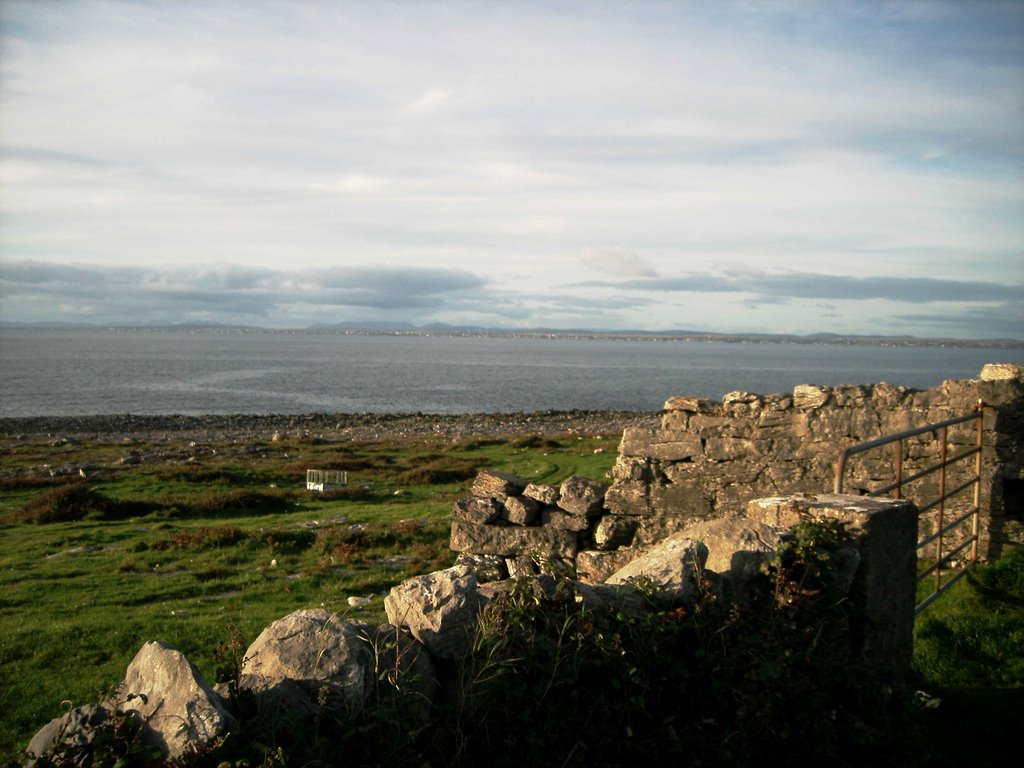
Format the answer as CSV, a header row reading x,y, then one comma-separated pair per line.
x,y
883,592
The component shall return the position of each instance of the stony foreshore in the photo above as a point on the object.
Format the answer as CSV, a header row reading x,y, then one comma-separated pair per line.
x,y
350,426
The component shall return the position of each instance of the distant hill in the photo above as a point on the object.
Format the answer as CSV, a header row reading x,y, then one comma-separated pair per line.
x,y
441,329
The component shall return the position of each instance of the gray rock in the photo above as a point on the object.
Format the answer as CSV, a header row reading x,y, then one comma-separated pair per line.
x,y
497,485
593,566
545,495
439,609
520,510
321,651
561,520
476,510
180,710
484,567
614,531
671,567
70,732
581,496
512,541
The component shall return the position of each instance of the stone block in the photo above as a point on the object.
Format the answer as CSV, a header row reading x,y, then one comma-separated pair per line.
x,y
439,609
628,498
520,510
511,541
883,589
614,531
658,444
581,496
593,565
809,396
497,485
317,649
690,404
476,510
545,495
671,566
557,518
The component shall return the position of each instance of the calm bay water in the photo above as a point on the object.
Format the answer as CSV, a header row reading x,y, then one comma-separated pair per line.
x,y
83,372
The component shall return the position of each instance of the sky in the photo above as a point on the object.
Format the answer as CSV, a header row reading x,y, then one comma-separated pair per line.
x,y
735,167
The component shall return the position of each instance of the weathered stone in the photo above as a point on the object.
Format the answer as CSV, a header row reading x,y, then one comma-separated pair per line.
x,y
557,518
72,732
658,444
477,510
545,495
671,566
180,710
439,609
809,396
511,541
690,404
520,510
318,649
484,567
731,448
657,528
1002,372
884,587
614,531
581,496
519,567
735,544
628,498
496,485
595,566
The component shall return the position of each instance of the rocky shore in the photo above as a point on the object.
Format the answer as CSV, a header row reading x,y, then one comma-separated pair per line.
x,y
344,426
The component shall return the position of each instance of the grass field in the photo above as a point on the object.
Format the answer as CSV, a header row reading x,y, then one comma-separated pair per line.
x,y
202,545
195,545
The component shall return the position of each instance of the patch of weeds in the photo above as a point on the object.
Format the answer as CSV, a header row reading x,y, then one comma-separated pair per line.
x,y
439,470
64,504
234,501
535,441
206,537
286,539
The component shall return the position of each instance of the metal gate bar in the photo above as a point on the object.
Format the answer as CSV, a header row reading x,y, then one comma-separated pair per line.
x,y
942,527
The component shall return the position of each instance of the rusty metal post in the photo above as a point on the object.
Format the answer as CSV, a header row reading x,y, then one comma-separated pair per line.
x,y
942,509
899,469
977,480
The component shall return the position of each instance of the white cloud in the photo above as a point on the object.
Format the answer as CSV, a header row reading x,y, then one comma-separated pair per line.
x,y
513,140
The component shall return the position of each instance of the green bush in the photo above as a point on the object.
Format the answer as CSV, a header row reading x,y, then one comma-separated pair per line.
x,y
64,504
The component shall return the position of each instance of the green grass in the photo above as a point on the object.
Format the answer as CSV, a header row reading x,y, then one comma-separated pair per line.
x,y
969,655
195,543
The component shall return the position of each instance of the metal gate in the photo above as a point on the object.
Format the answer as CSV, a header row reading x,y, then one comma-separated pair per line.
x,y
941,557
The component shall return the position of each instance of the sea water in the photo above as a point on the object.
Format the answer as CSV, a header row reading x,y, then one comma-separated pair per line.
x,y
194,372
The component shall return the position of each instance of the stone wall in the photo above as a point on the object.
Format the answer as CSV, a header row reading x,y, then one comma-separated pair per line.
x,y
707,459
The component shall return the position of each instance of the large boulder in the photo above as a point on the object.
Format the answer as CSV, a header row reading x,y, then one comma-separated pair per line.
x,y
180,710
671,568
736,548
320,651
164,704
439,609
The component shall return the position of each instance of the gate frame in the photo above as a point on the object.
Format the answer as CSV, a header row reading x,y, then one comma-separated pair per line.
x,y
942,528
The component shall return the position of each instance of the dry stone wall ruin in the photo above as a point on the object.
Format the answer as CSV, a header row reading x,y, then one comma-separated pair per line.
x,y
708,459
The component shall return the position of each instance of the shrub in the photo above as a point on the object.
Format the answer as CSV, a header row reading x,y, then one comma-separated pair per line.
x,y
66,503
441,470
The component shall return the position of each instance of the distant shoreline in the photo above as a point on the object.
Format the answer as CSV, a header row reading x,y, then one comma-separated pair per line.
x,y
545,333
337,426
